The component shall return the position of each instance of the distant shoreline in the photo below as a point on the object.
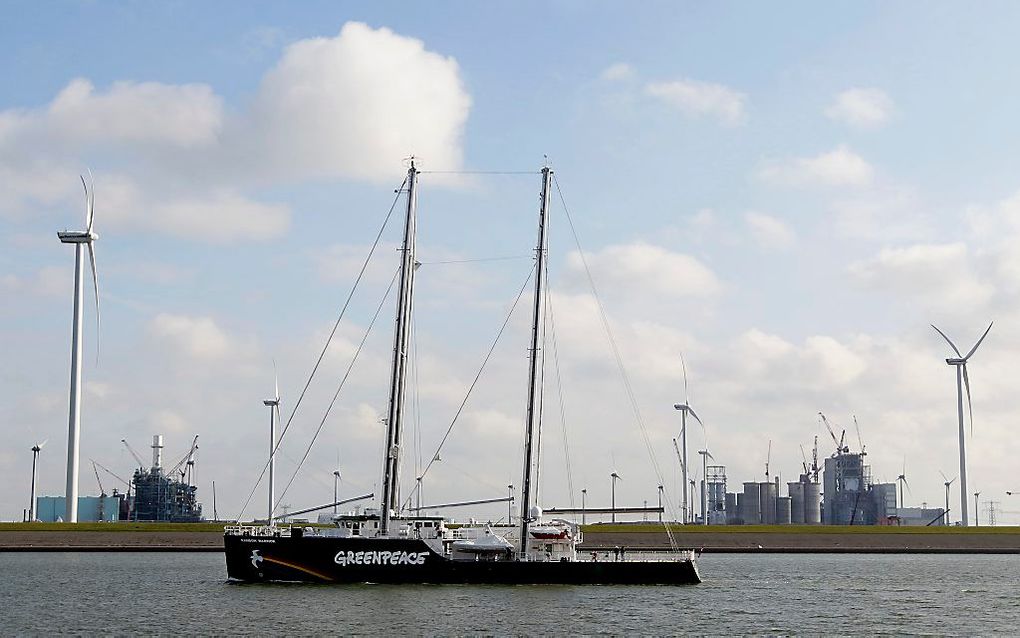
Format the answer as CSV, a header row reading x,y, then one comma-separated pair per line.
x,y
208,537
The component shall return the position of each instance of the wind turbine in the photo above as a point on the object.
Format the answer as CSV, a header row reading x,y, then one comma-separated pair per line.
x,y
948,482
274,410
79,238
705,455
684,408
902,480
963,380
35,459
615,477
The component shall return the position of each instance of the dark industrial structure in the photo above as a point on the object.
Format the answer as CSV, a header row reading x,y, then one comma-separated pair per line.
x,y
166,495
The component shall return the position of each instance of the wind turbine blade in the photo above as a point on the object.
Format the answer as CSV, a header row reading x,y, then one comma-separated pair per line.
x,y
41,445
696,418
683,366
944,477
907,484
90,201
95,287
987,330
85,186
951,344
970,407
276,383
954,480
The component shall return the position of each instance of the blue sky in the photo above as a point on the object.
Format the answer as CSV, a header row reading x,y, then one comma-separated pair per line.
x,y
788,197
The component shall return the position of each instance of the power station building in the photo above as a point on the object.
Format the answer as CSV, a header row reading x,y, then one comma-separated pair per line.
x,y
91,509
159,497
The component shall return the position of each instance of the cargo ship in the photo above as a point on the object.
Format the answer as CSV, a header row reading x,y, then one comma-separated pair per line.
x,y
391,545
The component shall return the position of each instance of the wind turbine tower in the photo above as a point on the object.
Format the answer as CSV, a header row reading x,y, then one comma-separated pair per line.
x,y
705,455
81,239
947,483
684,408
274,409
35,474
962,380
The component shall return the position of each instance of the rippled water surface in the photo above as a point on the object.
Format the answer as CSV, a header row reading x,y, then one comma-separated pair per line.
x,y
153,593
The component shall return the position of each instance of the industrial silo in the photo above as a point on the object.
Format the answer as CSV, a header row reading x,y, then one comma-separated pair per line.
x,y
767,499
796,503
812,504
732,513
741,509
783,510
752,507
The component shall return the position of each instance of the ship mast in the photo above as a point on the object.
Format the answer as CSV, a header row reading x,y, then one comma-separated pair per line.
x,y
398,374
534,417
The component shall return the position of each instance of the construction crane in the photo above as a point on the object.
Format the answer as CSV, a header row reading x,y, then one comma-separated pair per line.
x,y
107,470
814,461
768,458
102,492
860,440
138,459
804,461
840,448
187,458
678,455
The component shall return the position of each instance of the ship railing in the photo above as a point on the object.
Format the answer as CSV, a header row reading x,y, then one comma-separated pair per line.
x,y
256,530
624,555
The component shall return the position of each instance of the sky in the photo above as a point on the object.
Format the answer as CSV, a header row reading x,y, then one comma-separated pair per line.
x,y
787,198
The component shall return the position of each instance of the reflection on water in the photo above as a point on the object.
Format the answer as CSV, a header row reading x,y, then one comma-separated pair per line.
x,y
742,594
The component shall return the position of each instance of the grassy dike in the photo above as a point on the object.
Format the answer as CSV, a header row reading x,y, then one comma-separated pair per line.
x,y
834,539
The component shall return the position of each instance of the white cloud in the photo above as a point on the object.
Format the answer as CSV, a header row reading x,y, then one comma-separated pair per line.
x,y
838,167
861,108
339,106
616,72
769,232
223,217
701,99
198,337
176,159
48,281
941,276
649,268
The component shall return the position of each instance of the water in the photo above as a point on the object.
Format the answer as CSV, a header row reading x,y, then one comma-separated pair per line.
x,y
796,594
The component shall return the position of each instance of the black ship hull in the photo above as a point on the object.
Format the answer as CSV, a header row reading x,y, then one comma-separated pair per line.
x,y
324,559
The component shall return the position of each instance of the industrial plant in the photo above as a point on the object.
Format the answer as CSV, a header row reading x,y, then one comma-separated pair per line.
x,y
845,495
155,493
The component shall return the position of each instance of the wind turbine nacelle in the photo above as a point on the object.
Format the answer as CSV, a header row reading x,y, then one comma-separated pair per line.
x,y
679,406
76,237
956,362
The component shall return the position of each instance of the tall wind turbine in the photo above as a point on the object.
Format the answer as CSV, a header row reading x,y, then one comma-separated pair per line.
x,y
947,483
80,239
274,410
35,474
705,455
684,408
615,477
963,380
902,480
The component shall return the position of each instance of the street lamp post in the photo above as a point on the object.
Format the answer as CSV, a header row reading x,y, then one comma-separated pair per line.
x,y
584,493
510,505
